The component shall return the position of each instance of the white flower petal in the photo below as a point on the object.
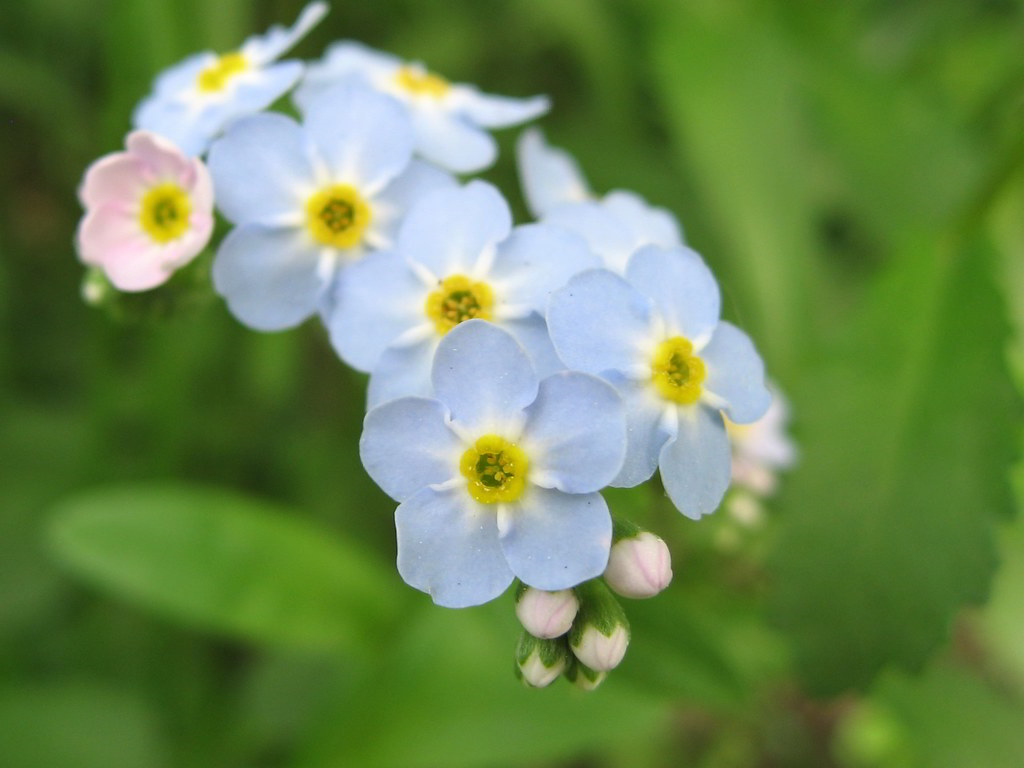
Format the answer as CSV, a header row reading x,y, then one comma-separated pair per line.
x,y
548,175
682,287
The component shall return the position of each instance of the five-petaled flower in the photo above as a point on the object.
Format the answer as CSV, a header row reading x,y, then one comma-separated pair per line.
x,y
149,211
309,199
449,118
456,258
656,335
497,476
197,98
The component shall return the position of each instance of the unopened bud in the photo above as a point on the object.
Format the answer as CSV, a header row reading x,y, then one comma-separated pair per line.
x,y
546,614
600,633
539,661
639,566
583,676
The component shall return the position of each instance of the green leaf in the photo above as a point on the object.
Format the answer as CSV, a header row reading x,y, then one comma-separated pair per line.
x,y
77,724
445,694
735,122
908,436
951,719
218,560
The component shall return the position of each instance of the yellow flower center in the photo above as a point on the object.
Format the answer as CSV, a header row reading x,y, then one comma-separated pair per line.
x,y
420,82
677,372
496,470
215,77
165,212
459,298
337,216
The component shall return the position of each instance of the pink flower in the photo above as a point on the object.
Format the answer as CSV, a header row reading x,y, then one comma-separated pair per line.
x,y
149,211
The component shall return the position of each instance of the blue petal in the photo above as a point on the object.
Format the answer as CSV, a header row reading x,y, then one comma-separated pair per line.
x,y
343,60
491,111
554,540
575,433
269,277
599,322
363,137
682,287
535,260
483,375
647,224
548,175
448,547
277,40
448,230
735,373
402,371
645,432
532,332
695,466
608,237
406,445
376,300
452,142
260,169
417,181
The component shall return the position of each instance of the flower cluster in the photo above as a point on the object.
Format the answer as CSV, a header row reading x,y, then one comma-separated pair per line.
x,y
515,370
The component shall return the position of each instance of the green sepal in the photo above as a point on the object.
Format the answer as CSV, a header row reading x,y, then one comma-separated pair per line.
x,y
599,609
550,651
624,529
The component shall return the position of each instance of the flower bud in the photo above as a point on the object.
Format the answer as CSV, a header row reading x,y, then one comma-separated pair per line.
x,y
600,633
583,676
639,566
545,614
539,661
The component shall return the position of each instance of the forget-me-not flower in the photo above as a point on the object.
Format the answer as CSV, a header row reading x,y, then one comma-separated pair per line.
x,y
497,476
197,98
656,335
308,199
614,226
457,257
450,118
149,211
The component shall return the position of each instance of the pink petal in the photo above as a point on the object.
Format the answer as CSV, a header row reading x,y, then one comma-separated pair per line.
x,y
160,158
116,177
106,230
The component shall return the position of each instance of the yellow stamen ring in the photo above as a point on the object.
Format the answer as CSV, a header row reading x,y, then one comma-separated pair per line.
x,y
215,77
421,83
337,216
496,470
165,212
677,372
459,298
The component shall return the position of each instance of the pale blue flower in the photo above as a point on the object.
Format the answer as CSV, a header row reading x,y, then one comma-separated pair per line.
x,y
197,98
497,476
309,199
457,257
615,226
656,336
450,118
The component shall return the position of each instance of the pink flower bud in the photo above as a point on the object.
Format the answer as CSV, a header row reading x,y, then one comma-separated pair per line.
x,y
546,614
599,651
639,566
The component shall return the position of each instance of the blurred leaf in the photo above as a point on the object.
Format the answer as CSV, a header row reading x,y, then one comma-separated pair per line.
x,y
909,433
1003,617
219,560
726,82
953,719
77,724
445,695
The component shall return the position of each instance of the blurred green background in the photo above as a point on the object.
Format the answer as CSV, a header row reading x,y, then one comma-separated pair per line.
x,y
195,571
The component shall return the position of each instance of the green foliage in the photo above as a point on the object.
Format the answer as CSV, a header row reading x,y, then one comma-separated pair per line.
x,y
875,573
232,564
852,172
